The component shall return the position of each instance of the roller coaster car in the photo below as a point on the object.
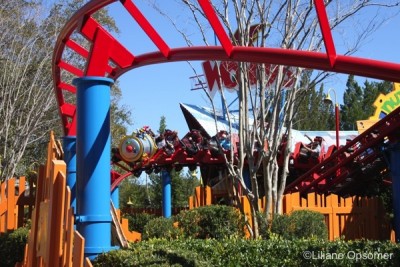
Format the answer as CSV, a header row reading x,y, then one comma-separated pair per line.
x,y
193,142
137,147
220,141
168,141
305,156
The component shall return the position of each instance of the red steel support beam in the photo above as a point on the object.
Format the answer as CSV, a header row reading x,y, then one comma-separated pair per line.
x,y
146,26
99,64
326,31
217,26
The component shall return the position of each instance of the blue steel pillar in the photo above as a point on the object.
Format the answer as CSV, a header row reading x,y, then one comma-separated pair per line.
x,y
93,163
394,151
115,197
166,193
69,146
246,178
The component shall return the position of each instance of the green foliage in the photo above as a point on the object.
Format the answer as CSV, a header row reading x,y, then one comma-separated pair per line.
x,y
157,252
160,227
263,225
211,222
138,221
137,194
311,112
12,246
149,195
300,224
28,109
242,252
358,101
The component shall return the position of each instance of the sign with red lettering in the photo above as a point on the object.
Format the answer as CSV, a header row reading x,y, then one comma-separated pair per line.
x,y
224,75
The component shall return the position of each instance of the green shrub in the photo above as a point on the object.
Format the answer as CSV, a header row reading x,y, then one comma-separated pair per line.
x,y
281,225
137,221
160,227
300,224
155,252
214,221
263,225
242,252
12,246
307,223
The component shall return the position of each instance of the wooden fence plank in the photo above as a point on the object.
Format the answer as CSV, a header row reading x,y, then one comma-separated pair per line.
x,y
78,250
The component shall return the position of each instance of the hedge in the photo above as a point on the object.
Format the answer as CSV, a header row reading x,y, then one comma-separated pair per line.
x,y
242,252
12,246
216,221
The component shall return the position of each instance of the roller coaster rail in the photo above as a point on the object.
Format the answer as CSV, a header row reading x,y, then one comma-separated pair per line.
x,y
341,164
107,57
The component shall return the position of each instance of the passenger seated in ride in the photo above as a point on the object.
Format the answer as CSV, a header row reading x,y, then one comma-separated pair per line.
x,y
168,141
313,149
222,138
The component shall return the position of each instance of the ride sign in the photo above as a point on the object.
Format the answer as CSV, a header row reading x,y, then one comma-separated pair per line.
x,y
224,75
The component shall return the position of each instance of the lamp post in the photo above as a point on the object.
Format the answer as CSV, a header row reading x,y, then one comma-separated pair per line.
x,y
328,100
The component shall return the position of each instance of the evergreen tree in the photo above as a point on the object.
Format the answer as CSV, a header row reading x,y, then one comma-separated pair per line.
x,y
358,101
312,114
352,108
371,91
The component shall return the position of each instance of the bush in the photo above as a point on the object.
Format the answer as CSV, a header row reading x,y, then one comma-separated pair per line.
x,y
242,252
263,225
137,221
214,221
12,246
160,227
300,224
156,252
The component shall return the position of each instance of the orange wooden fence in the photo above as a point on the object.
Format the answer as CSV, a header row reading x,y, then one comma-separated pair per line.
x,y
53,241
16,203
202,197
351,218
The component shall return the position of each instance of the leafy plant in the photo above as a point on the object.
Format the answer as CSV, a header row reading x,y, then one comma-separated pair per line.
x,y
243,252
12,246
160,227
137,221
300,224
216,221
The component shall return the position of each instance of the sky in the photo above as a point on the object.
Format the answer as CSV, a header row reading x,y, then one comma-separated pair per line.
x,y
154,91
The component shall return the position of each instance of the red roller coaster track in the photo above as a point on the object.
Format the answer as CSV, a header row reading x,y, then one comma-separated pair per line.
x,y
107,57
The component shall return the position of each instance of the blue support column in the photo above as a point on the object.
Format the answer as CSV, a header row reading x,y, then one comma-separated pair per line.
x,y
166,194
246,178
69,146
93,164
394,151
115,197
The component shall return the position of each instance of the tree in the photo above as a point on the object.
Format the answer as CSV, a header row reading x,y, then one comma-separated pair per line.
x,y
25,82
352,108
267,113
358,101
311,113
28,108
